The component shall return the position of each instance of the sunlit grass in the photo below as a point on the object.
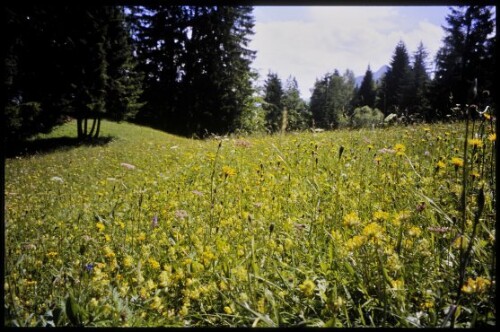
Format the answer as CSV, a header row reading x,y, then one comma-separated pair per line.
x,y
345,228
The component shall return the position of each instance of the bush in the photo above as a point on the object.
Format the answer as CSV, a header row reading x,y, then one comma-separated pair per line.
x,y
366,116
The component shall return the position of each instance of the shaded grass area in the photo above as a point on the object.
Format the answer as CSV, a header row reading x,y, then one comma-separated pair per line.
x,y
52,144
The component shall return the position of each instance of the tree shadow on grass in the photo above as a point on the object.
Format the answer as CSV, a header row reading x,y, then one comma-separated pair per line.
x,y
48,145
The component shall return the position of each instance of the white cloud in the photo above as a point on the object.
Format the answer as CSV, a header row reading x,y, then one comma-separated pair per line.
x,y
328,38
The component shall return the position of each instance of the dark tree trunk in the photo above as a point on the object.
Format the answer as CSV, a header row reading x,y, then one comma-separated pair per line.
x,y
79,128
98,129
85,124
93,127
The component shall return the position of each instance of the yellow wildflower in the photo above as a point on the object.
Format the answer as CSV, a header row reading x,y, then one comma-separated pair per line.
x,y
492,137
51,254
355,242
150,285
108,252
428,304
261,302
223,286
228,310
479,285
400,149
164,278
240,273
100,226
397,284
475,142
228,171
307,287
475,174
414,231
440,165
380,215
154,263
141,236
460,241
93,303
457,162
156,303
373,230
128,261
351,219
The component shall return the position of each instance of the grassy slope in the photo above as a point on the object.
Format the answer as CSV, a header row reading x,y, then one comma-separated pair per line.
x,y
254,207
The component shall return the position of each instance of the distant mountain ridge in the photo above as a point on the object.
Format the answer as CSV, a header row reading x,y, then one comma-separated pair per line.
x,y
376,75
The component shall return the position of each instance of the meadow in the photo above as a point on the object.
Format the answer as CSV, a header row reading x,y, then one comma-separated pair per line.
x,y
350,228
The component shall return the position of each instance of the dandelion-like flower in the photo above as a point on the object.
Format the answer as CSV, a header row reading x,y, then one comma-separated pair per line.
x,y
228,171
492,137
457,162
440,165
100,226
478,285
475,142
400,149
475,174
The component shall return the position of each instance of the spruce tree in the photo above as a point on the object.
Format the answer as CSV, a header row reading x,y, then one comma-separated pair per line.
x,y
197,63
418,94
273,94
317,104
297,115
396,83
467,55
366,92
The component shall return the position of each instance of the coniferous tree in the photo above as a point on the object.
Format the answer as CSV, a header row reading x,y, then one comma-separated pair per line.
x,y
331,99
273,94
33,85
159,35
297,115
82,68
395,87
418,95
197,63
467,55
317,104
365,95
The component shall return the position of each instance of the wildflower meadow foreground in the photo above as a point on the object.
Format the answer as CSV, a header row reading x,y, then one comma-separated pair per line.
x,y
350,228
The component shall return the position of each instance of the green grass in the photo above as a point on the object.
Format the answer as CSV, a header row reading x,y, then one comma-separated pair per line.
x,y
345,228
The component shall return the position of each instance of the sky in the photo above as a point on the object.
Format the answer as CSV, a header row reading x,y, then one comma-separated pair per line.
x,y
308,42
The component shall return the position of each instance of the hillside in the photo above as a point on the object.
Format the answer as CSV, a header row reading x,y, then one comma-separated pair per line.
x,y
350,228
